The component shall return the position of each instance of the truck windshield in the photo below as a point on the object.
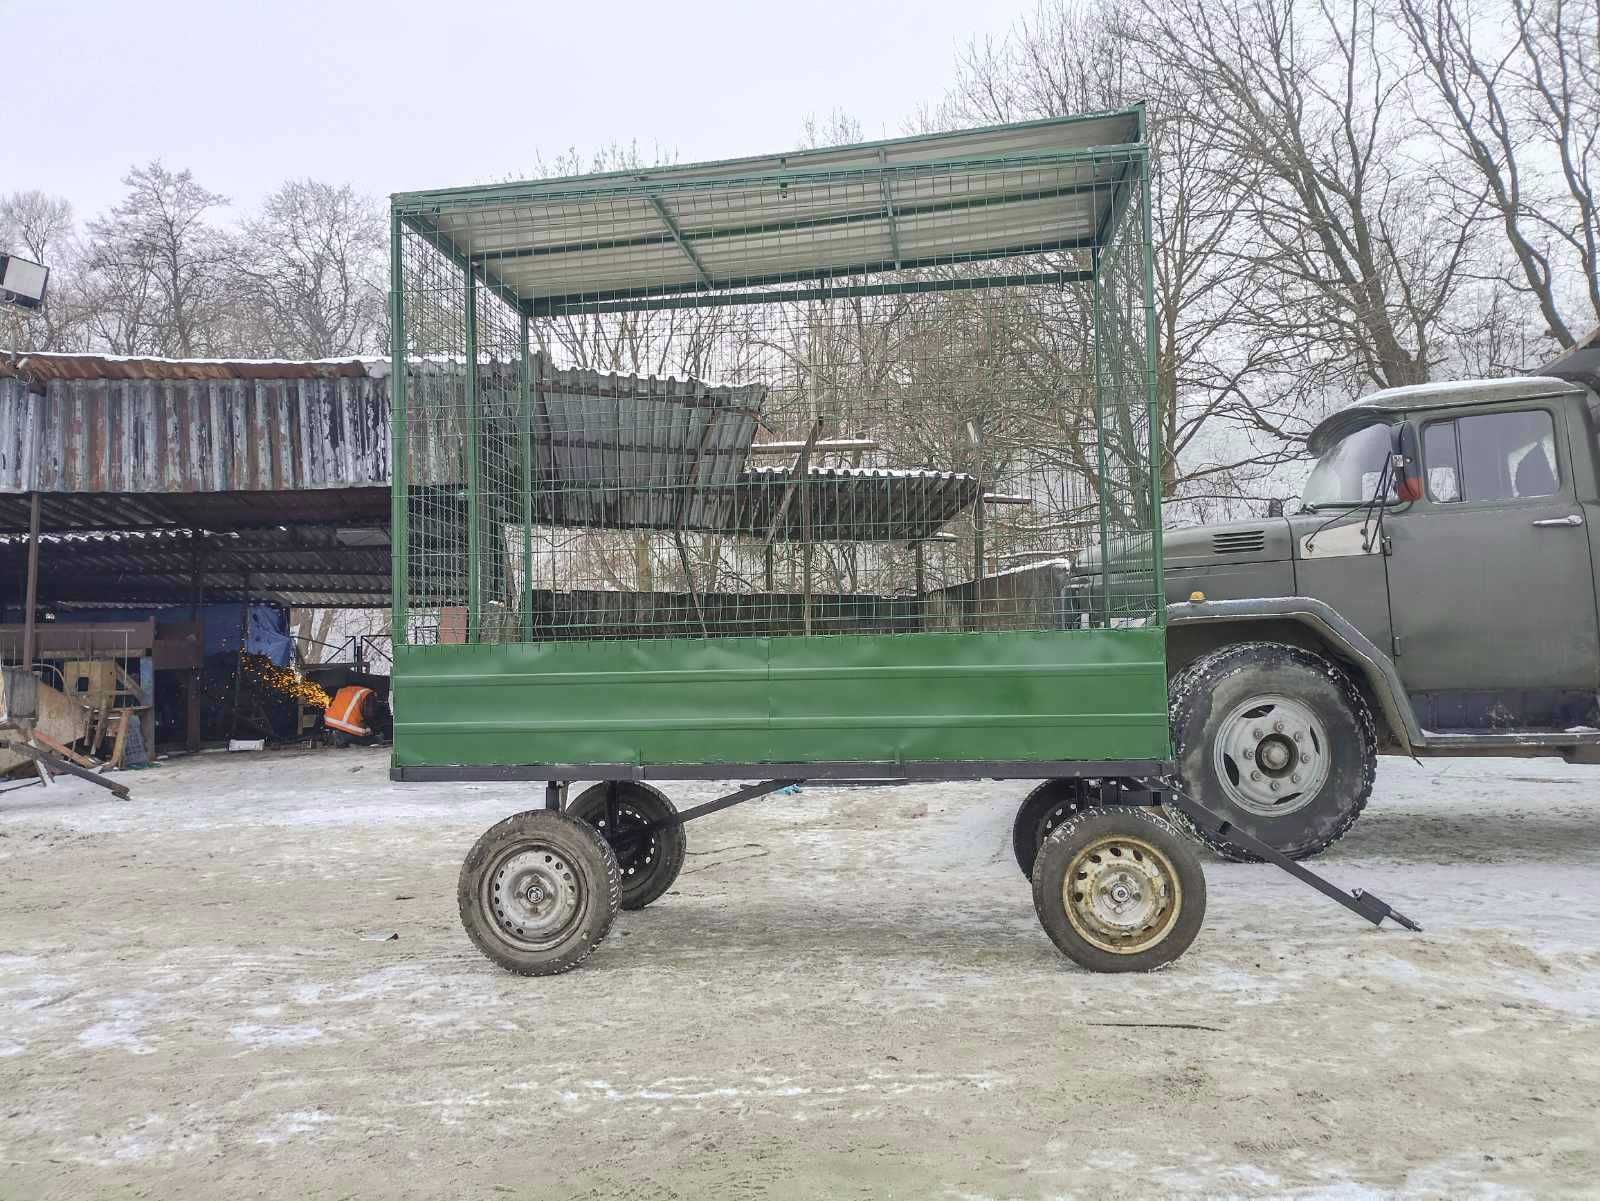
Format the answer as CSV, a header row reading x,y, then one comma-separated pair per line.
x,y
1348,473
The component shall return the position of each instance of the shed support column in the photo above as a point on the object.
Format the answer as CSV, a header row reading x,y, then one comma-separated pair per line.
x,y
244,638
147,698
191,692
32,589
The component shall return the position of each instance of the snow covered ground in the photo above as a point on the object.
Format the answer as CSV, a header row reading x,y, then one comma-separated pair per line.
x,y
846,995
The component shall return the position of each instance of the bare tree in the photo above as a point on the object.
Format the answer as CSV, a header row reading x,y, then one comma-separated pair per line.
x,y
156,267
1223,433
311,274
1517,91
41,228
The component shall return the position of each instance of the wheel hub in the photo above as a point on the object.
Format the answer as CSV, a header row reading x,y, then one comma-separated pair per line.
x,y
1271,755
1121,894
535,895
635,847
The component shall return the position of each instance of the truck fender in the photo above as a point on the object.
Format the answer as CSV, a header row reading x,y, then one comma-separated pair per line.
x,y
1375,669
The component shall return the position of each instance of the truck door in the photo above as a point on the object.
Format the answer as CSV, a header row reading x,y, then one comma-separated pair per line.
x,y
1491,585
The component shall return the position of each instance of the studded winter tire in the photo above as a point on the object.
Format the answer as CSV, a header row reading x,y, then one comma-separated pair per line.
x,y
1276,740
1119,889
538,892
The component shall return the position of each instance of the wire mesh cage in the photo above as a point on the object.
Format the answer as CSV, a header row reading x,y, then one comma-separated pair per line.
x,y
784,427
882,390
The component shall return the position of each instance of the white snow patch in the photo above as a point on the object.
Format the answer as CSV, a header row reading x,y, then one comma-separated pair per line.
x,y
275,1036
287,1127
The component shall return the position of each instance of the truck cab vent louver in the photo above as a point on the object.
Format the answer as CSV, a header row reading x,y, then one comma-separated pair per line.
x,y
1238,542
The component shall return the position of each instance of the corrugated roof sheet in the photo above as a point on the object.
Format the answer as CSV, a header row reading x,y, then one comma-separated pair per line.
x,y
41,368
206,434
850,504
974,194
288,566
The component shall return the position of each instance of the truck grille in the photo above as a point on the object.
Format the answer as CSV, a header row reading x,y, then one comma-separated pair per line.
x,y
1238,542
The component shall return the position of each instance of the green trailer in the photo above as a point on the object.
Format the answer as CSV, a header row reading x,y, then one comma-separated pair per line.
x,y
775,468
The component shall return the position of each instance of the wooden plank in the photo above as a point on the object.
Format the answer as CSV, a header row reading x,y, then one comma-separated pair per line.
x,y
66,752
64,766
130,685
802,465
119,748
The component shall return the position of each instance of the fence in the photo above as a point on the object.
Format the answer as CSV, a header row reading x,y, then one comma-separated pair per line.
x,y
887,389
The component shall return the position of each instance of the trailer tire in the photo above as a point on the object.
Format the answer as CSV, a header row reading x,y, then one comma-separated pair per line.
x,y
1119,889
538,892
1226,709
649,864
1041,811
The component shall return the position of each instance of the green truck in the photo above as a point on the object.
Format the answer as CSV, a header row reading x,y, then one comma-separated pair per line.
x,y
1434,592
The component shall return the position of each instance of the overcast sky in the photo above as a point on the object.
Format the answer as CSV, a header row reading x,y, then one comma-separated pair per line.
x,y
399,94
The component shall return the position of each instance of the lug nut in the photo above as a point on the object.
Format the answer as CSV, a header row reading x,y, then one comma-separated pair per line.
x,y
1298,735
1277,727
1249,754
1255,775
1257,735
1275,786
1295,779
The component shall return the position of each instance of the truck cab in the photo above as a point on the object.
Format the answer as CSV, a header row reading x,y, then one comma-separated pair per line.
x,y
1434,592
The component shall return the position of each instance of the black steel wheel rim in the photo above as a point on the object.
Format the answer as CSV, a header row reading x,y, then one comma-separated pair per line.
x,y
637,848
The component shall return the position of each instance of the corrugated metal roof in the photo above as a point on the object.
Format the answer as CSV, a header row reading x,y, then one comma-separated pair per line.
x,y
193,435
290,567
977,194
850,504
629,451
40,368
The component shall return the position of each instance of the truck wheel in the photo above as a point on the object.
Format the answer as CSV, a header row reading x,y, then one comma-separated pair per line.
x,y
1276,740
1119,890
538,892
1041,811
649,862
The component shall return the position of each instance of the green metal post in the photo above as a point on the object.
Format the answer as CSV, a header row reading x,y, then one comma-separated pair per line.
x,y
525,446
1153,397
1097,323
474,485
399,525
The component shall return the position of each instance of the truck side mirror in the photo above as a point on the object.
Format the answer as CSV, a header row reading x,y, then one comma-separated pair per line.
x,y
1407,463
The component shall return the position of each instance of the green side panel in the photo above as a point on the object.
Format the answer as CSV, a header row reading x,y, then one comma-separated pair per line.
x,y
1081,694
1043,695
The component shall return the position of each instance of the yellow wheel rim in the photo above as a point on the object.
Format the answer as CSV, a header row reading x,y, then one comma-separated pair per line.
x,y
1122,894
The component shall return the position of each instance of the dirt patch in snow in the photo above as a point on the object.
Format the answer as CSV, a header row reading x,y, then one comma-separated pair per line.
x,y
846,995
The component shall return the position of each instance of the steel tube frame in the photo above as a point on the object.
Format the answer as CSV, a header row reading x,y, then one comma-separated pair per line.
x,y
525,387
32,584
399,386
923,770
474,484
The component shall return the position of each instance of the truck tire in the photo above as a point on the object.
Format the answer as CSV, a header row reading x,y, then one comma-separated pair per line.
x,y
1277,741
